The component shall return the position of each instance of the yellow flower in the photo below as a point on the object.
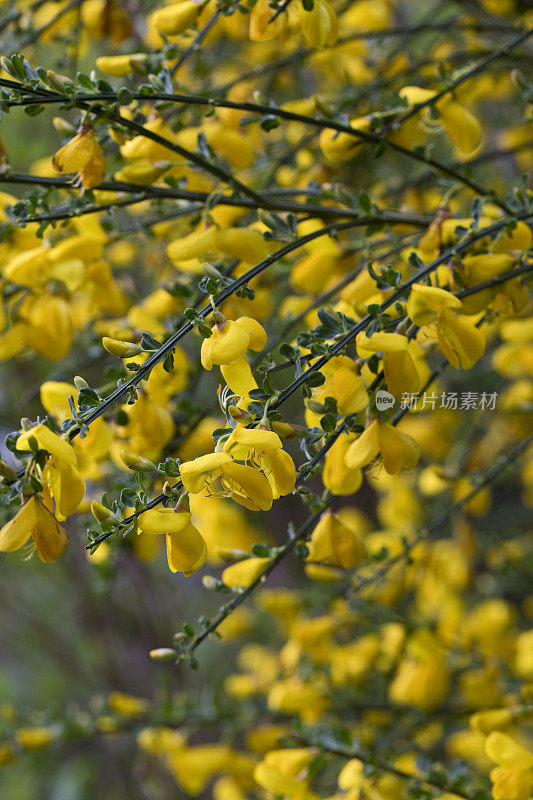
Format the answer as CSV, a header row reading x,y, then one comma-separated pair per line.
x,y
421,681
194,245
160,740
398,450
246,244
263,449
351,775
479,269
106,18
460,125
94,446
294,696
49,327
502,749
291,761
479,504
339,147
493,720
221,476
337,477
82,154
425,303
54,397
400,368
34,738
335,544
511,783
45,439
278,783
243,573
230,339
33,519
524,654
65,485
512,779
261,29
194,767
119,65
127,705
226,346
239,377
149,427
186,551
343,384
176,18
319,25
461,342
186,547
203,472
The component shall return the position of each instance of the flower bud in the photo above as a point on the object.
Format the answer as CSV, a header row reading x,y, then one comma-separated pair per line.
x,y
103,514
289,430
238,414
232,554
137,463
120,349
63,126
7,66
163,654
210,583
59,82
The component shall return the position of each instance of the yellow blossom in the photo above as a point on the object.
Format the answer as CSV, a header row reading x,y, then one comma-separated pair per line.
x,y
319,25
128,705
186,547
175,18
245,572
337,477
460,125
261,28
335,544
425,303
35,520
221,476
263,449
34,738
82,154
398,450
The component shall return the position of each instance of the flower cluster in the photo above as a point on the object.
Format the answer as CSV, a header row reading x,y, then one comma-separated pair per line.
x,y
235,254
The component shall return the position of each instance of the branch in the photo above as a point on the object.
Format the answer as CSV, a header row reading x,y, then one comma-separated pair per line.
x,y
389,301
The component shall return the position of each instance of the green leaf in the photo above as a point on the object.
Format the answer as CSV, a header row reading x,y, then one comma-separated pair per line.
x,y
315,379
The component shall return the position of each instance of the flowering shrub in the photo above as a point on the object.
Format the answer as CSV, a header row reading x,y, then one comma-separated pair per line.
x,y
268,265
